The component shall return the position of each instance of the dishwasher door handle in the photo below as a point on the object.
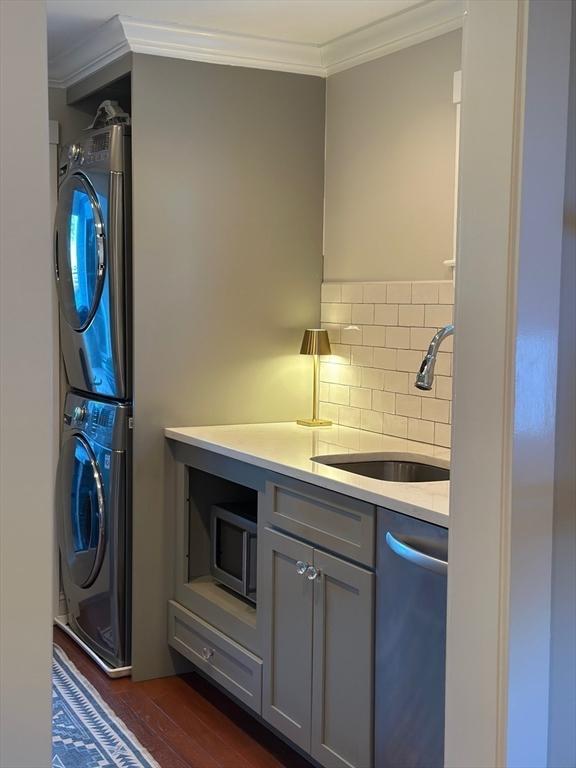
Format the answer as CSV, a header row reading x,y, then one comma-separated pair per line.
x,y
416,557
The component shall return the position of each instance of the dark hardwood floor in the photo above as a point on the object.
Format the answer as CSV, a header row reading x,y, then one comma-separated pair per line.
x,y
184,721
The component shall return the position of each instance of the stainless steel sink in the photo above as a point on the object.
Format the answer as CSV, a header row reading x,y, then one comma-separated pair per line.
x,y
395,468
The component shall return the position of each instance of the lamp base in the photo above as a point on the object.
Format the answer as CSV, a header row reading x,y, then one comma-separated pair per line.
x,y
314,422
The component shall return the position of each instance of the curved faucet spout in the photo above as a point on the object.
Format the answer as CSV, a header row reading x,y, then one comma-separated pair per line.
x,y
425,375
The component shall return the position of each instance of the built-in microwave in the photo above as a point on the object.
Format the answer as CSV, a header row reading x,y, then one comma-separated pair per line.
x,y
233,530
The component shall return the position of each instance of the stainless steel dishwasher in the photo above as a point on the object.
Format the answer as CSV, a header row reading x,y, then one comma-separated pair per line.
x,y
412,562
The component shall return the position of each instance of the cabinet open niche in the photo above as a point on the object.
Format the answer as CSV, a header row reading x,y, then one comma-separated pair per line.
x,y
205,532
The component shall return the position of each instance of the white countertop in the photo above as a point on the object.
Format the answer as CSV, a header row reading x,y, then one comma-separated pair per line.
x,y
287,448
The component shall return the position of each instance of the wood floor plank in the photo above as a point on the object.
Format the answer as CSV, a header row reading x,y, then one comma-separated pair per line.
x,y
185,722
223,750
194,750
250,737
165,754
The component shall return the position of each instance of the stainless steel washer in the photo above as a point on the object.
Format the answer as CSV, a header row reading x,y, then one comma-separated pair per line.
x,y
92,261
93,502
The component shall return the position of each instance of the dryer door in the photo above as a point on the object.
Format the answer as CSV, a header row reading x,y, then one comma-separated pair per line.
x,y
80,257
82,511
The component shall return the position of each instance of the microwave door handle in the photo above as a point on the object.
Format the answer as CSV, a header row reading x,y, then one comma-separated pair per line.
x,y
245,562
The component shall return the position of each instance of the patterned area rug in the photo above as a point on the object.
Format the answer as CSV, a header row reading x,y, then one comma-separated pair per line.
x,y
85,731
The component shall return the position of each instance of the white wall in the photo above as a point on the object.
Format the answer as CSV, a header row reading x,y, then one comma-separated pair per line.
x,y
562,729
390,154
515,87
26,386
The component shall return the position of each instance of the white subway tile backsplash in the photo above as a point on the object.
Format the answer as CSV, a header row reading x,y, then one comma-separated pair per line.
x,y
374,335
334,330
352,292
397,338
409,360
423,431
399,293
420,338
411,315
444,364
339,393
396,381
368,382
362,355
409,405
385,358
361,397
425,293
386,314
384,401
351,335
329,411
363,314
340,354
371,421
443,435
444,387
349,417
394,425
375,293
436,410
336,313
438,315
448,344
373,378
340,374
331,292
446,293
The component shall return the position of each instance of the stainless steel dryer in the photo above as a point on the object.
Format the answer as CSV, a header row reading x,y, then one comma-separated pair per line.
x,y
92,261
93,503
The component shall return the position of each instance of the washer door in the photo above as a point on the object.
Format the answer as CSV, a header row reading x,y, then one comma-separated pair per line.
x,y
82,511
79,259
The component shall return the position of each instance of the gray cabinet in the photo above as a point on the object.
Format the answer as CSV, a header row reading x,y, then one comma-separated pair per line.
x,y
318,650
343,663
331,520
216,655
285,599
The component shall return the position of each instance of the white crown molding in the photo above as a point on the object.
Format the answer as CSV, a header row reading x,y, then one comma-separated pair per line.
x,y
107,44
414,25
123,34
222,47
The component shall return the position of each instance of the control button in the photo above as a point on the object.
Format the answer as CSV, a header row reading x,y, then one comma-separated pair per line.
x,y
75,152
79,413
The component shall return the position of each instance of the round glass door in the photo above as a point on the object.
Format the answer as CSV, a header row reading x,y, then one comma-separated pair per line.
x,y
82,511
80,251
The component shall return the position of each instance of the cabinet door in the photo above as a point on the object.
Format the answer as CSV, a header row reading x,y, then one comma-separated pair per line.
x,y
285,600
343,664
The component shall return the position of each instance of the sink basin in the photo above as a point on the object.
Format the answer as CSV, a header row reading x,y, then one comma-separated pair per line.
x,y
395,468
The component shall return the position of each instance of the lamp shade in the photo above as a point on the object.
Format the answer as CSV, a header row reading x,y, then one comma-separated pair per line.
x,y
315,342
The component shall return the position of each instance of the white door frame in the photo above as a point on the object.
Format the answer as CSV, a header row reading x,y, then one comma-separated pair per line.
x,y
514,114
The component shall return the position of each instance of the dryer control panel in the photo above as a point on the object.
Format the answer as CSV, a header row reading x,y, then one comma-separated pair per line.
x,y
104,149
104,423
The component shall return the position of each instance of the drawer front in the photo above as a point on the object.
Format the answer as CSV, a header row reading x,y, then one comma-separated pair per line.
x,y
217,656
339,523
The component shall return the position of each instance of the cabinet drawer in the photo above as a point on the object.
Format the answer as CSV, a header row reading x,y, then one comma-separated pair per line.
x,y
217,656
339,523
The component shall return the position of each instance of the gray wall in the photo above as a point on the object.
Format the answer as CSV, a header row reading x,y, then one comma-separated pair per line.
x,y
562,730
26,391
390,147
72,120
228,192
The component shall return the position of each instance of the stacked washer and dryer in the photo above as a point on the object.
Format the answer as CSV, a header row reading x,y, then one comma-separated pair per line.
x,y
93,497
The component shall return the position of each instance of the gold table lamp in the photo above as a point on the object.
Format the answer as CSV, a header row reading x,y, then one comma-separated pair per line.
x,y
316,343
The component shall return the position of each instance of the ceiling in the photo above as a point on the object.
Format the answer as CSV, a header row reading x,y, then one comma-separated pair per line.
x,y
314,22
